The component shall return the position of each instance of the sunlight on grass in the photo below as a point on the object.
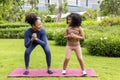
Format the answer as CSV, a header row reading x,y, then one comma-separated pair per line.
x,y
12,56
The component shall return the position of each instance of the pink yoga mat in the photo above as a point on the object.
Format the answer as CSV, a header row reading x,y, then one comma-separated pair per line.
x,y
73,72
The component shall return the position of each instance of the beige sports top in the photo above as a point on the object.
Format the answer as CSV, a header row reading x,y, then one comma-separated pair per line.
x,y
72,41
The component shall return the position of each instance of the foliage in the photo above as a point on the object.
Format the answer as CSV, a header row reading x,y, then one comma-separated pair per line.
x,y
50,33
104,46
65,6
59,38
90,14
33,3
111,21
51,8
41,14
110,7
55,25
11,10
89,22
49,19
13,25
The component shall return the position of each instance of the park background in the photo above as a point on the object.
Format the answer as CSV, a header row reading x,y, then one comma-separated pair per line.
x,y
101,49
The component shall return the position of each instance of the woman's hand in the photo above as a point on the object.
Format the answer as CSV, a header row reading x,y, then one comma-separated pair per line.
x,y
34,36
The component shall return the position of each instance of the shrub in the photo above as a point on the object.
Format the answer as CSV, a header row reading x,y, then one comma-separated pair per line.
x,y
89,22
54,25
11,32
13,25
110,21
59,38
50,34
104,46
49,19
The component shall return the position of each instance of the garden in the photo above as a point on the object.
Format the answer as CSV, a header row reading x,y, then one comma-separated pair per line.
x,y
100,48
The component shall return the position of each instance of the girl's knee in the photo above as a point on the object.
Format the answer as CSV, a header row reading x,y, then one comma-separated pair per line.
x,y
80,58
67,58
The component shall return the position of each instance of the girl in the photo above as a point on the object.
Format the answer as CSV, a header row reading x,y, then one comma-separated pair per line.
x,y
33,36
73,34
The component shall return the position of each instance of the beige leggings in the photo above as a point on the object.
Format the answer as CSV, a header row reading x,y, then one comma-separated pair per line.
x,y
78,52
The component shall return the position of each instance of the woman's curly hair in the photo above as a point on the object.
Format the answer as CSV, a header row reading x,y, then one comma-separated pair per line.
x,y
31,19
76,20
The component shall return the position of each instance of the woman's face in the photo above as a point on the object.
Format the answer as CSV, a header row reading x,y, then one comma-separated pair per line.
x,y
69,20
37,25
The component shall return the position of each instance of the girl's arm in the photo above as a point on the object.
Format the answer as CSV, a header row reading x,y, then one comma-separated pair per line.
x,y
80,36
66,35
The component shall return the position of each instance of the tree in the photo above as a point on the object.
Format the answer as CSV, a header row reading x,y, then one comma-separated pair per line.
x,y
51,8
60,10
110,7
10,10
33,3
65,6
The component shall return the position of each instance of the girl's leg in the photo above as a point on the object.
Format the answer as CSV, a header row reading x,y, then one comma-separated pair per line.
x,y
67,57
79,57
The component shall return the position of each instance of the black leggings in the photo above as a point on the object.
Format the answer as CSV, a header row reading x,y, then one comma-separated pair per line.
x,y
29,50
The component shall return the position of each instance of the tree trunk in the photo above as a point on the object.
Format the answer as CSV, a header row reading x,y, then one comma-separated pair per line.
x,y
58,19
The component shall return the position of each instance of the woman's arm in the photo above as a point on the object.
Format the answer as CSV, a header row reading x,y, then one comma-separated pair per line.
x,y
27,39
43,41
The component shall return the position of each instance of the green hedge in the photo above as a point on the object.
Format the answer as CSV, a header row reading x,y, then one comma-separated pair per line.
x,y
59,38
55,25
110,21
50,33
104,45
12,32
13,25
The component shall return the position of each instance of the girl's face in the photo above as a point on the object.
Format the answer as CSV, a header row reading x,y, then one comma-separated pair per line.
x,y
69,20
37,25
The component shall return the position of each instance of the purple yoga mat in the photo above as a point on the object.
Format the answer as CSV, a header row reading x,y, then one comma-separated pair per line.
x,y
72,72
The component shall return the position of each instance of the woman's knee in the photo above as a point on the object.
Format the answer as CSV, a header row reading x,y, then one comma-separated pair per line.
x,y
27,52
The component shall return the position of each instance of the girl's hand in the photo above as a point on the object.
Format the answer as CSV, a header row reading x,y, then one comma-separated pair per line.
x,y
73,35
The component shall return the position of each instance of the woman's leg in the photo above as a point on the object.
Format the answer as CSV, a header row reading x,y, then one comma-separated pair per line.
x,y
27,55
48,57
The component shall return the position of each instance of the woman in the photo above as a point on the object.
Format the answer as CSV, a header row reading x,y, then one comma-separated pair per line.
x,y
33,36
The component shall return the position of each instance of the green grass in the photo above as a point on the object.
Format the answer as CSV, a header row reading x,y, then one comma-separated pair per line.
x,y
12,56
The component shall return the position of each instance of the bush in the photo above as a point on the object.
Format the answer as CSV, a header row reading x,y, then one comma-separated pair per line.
x,y
104,46
89,22
50,34
2,22
111,21
55,25
49,19
13,25
11,32
59,37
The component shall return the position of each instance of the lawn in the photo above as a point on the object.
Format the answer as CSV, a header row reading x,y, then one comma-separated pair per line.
x,y
12,56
